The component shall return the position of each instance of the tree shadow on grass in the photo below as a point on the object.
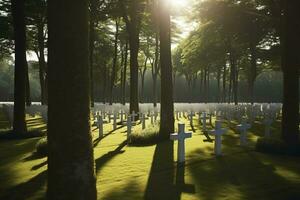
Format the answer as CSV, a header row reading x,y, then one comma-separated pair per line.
x,y
36,167
27,189
241,176
162,176
96,141
100,162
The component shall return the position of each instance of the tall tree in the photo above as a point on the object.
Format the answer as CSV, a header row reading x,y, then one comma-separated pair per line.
x,y
70,159
167,107
290,68
19,123
37,29
114,64
132,14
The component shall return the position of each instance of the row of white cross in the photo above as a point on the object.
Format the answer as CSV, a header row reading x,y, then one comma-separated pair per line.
x,y
217,132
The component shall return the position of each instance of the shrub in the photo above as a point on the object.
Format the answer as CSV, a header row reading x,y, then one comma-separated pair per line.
x,y
148,136
42,147
276,146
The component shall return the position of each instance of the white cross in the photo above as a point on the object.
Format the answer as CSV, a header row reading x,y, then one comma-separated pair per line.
x,y
155,115
204,117
109,117
268,122
191,115
122,115
133,115
100,125
181,136
143,121
151,115
210,117
128,123
114,121
218,132
243,127
176,113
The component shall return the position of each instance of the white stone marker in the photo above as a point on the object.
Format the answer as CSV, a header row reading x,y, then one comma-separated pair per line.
x,y
155,115
109,117
151,118
210,118
177,117
128,123
268,122
143,121
181,136
100,125
203,117
191,115
133,115
243,127
114,121
122,115
218,132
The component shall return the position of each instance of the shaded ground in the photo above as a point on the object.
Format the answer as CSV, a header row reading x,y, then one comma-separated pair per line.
x,y
150,172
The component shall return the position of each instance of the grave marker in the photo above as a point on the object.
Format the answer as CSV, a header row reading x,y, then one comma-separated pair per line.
x,y
181,136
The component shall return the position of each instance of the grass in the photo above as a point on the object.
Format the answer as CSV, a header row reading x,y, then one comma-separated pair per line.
x,y
130,172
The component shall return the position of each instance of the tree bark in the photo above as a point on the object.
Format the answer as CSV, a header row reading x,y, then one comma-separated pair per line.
x,y
133,21
219,84
114,67
290,68
42,62
253,70
224,83
28,96
125,74
166,102
155,69
91,46
142,74
19,123
70,159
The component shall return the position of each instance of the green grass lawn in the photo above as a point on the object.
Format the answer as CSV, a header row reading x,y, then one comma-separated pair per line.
x,y
128,172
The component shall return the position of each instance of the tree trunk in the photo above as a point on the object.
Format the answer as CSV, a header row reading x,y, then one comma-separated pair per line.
x,y
28,96
19,123
219,85
155,69
290,68
208,84
233,71
114,67
125,74
70,159
166,102
105,72
42,62
205,85
142,73
224,83
201,85
92,18
253,71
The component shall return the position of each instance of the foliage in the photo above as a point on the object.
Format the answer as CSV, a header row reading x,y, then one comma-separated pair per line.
x,y
148,136
42,147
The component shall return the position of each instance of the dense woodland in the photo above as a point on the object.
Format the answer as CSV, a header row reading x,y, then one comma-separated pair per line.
x,y
202,71
120,51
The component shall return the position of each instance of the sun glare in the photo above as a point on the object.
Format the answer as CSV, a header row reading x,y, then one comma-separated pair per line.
x,y
179,3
